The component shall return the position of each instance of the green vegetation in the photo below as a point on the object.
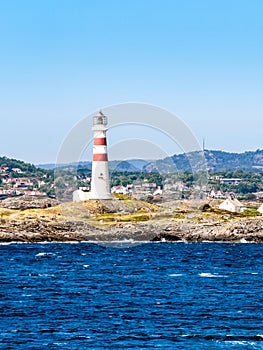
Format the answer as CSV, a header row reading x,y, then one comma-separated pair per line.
x,y
63,182
216,161
124,178
134,217
27,170
251,212
250,182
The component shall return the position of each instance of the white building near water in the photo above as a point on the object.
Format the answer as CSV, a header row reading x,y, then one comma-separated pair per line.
x,y
232,204
81,195
260,209
120,190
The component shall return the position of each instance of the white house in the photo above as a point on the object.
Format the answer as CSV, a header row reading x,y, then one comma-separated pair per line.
x,y
233,205
17,170
231,181
260,209
158,191
216,194
120,190
81,195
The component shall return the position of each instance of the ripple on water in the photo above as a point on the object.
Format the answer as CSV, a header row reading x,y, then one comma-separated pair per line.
x,y
167,296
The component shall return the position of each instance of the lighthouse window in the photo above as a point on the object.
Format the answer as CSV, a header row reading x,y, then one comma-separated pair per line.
x,y
101,174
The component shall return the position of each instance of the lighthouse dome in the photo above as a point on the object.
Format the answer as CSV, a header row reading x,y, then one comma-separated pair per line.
x,y
100,119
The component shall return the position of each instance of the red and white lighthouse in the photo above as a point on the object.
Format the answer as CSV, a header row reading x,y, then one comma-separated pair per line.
x,y
100,179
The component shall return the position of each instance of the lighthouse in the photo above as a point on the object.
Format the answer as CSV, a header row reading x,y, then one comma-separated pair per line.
x,y
100,179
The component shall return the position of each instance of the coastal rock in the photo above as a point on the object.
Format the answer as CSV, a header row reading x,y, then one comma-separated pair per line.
x,y
28,202
47,225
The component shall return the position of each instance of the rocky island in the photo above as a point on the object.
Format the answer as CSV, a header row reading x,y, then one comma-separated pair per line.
x,y
45,220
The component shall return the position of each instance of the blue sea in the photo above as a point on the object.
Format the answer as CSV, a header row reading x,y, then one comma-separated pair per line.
x,y
147,296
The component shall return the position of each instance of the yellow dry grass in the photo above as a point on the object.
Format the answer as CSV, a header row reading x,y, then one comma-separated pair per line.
x,y
4,213
96,213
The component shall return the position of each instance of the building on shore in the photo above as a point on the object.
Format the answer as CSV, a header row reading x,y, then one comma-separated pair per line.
x,y
231,181
258,195
233,205
120,190
82,194
260,209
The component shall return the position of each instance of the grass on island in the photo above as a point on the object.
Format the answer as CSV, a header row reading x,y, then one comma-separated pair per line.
x,y
5,213
124,210
52,213
116,217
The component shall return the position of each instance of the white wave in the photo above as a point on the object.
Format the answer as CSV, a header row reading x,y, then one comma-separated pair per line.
x,y
85,266
84,336
40,254
210,275
176,274
13,242
128,241
44,254
240,342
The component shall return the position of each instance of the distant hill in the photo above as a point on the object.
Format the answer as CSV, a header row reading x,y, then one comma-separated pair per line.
x,y
215,160
123,166
138,163
48,166
53,166
249,161
132,165
19,164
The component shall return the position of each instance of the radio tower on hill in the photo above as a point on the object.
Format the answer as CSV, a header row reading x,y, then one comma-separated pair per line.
x,y
100,179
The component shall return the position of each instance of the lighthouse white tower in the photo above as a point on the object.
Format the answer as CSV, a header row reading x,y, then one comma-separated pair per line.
x,y
100,179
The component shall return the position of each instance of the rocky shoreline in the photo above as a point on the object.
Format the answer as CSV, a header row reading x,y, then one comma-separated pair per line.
x,y
52,225
57,230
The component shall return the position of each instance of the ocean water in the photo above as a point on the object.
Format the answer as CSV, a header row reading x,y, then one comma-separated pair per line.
x,y
147,296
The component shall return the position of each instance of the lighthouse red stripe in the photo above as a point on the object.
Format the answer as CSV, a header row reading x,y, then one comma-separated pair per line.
x,y
100,141
100,157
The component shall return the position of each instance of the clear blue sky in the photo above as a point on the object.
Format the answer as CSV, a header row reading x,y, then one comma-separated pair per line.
x,y
62,59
